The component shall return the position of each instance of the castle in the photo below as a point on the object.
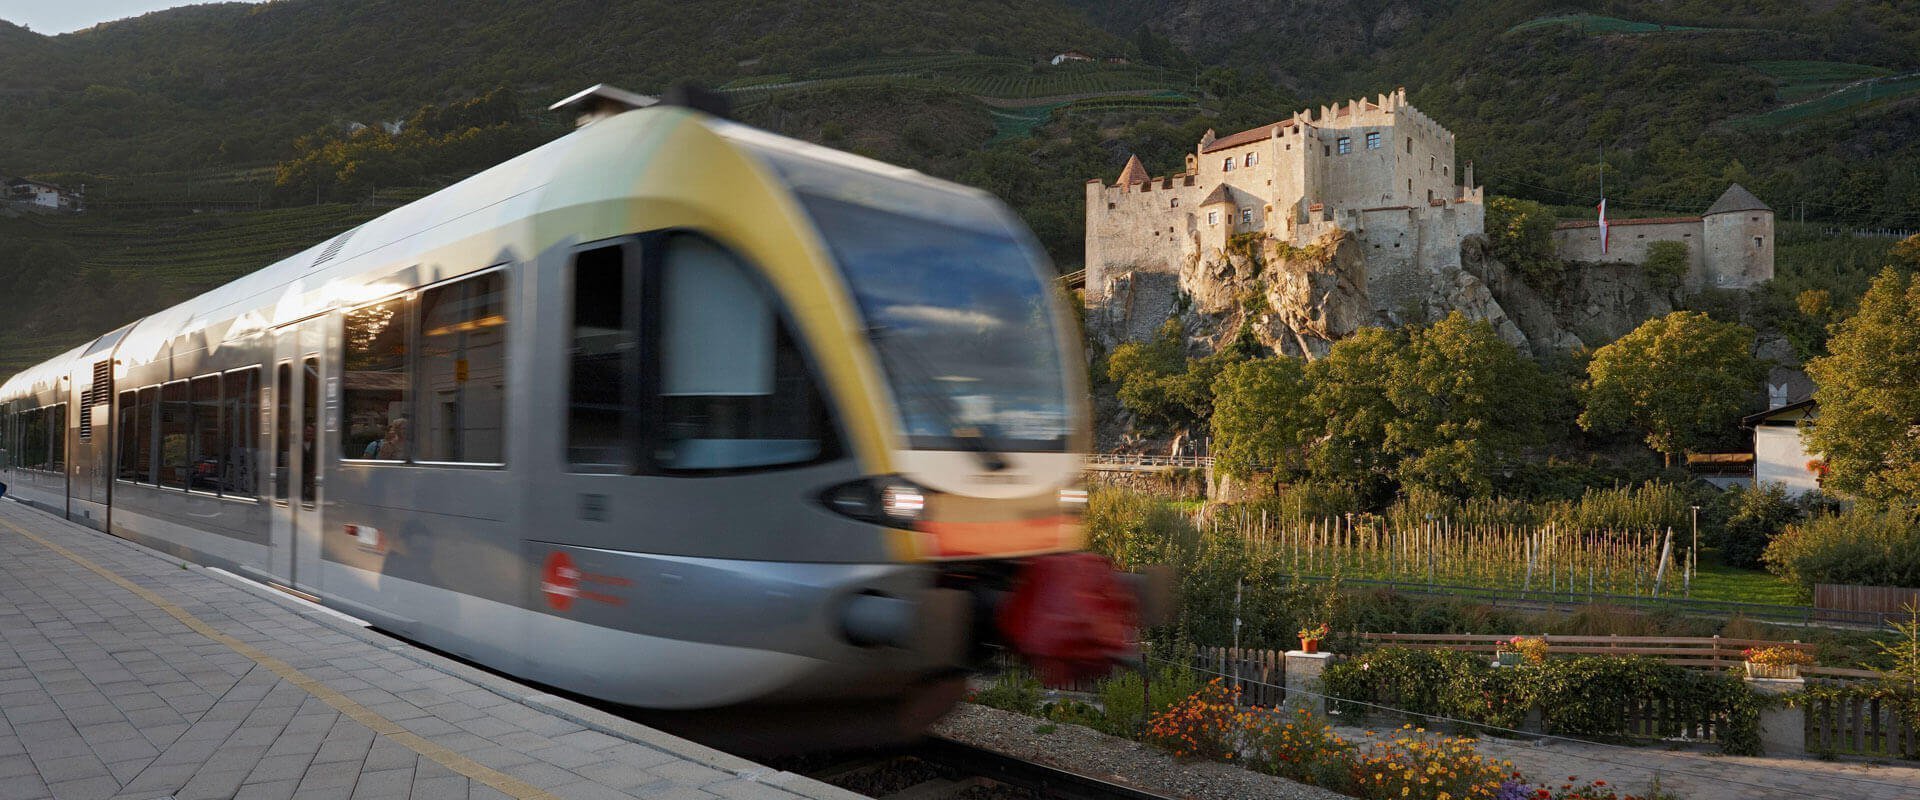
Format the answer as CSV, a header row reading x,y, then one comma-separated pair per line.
x,y
1377,168
1376,182
1728,247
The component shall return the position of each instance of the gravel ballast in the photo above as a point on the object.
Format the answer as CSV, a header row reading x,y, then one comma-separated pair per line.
x,y
1090,752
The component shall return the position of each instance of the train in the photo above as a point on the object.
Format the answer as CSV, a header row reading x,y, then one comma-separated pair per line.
x,y
671,412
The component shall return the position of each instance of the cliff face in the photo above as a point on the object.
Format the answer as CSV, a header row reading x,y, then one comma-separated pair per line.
x,y
1298,301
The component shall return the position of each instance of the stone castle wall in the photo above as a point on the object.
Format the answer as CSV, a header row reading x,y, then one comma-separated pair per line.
x,y
1739,248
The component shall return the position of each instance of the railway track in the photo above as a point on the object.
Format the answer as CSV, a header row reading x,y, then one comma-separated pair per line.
x,y
943,769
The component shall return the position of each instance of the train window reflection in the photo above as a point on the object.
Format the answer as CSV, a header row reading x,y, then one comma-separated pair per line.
x,y
173,435
282,427
601,386
240,415
203,435
132,428
374,407
463,370
736,392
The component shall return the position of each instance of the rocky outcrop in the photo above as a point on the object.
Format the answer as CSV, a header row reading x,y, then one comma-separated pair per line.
x,y
1300,300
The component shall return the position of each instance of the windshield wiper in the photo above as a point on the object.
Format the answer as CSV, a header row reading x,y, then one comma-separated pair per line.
x,y
894,351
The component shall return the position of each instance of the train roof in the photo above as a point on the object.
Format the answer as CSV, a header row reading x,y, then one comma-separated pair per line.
x,y
311,281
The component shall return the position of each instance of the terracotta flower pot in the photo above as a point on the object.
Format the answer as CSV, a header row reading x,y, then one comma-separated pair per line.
x,y
1309,645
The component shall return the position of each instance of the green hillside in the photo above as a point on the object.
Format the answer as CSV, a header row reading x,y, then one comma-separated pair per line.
x,y
214,139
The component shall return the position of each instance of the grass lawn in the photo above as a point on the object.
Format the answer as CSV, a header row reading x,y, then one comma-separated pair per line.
x,y
1716,581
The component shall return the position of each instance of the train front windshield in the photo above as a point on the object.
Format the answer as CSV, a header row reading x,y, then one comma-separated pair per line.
x,y
951,291
960,318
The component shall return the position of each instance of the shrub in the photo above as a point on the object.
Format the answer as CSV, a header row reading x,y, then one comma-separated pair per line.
x,y
1756,516
1857,546
1302,748
1412,765
1121,697
1201,725
1440,683
1521,232
1013,690
1074,712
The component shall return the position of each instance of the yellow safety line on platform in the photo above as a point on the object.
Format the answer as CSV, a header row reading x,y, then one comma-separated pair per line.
x,y
381,725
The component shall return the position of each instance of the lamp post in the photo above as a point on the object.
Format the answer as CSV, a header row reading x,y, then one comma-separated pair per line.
x,y
1693,553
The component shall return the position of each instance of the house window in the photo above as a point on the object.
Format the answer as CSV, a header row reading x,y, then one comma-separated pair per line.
x,y
1252,159
1345,144
1373,140
1213,218
1227,165
1246,216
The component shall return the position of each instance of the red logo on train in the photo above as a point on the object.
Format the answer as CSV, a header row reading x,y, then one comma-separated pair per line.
x,y
560,582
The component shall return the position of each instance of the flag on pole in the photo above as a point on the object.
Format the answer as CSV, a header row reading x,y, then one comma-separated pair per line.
x,y
1603,226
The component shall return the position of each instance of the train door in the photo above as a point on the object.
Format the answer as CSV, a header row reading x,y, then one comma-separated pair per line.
x,y
90,443
299,452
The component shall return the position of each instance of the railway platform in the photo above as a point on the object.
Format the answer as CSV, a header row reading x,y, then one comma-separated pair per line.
x,y
127,674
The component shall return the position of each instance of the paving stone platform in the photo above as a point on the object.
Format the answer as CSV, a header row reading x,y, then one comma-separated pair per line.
x,y
126,674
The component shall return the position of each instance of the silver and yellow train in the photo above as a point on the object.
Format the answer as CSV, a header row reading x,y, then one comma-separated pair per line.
x,y
669,412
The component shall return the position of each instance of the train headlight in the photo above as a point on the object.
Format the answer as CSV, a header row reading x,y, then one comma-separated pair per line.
x,y
903,502
886,500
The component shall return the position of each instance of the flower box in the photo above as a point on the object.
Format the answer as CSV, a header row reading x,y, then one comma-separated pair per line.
x,y
1774,671
1507,658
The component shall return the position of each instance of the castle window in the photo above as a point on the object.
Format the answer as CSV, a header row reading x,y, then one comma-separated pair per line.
x,y
1345,143
1373,140
1252,159
1409,144
1175,203
1756,242
1431,161
1227,166
1325,150
1213,218
1409,186
1246,218
1756,219
1109,205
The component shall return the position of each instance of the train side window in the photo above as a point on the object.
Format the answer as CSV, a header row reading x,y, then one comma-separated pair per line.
x,y
601,383
57,437
129,430
149,402
309,426
174,411
462,389
375,383
204,454
735,391
282,429
239,437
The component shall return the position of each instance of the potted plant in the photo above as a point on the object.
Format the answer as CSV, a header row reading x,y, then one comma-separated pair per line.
x,y
1775,662
1507,653
1311,635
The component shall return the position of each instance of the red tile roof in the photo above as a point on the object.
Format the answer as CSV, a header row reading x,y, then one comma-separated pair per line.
x,y
1246,137
1594,223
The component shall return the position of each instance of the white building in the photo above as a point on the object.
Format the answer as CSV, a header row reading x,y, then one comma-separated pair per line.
x,y
1779,448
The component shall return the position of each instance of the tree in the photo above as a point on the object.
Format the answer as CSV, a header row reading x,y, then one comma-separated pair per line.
x,y
1869,395
1349,397
1260,417
1521,232
1682,380
1464,402
1157,381
1666,265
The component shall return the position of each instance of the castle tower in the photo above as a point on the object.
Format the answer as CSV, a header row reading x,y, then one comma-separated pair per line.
x,y
1737,239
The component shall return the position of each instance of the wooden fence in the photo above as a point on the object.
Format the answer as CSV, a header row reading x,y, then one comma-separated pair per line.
x,y
1866,726
1698,652
1840,601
